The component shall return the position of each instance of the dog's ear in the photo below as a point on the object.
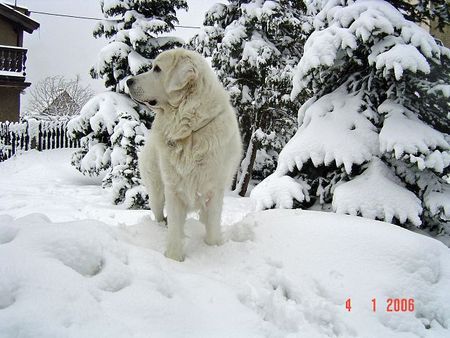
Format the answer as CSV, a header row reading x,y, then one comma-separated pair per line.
x,y
183,74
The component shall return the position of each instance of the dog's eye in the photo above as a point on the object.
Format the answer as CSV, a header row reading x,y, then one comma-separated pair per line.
x,y
156,69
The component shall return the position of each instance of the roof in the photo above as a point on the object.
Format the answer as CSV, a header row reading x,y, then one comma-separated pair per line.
x,y
15,15
62,104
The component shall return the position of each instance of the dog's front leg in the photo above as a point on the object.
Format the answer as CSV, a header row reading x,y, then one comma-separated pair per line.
x,y
210,216
149,168
176,217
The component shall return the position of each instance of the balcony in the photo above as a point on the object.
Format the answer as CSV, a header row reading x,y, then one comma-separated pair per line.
x,y
12,66
12,59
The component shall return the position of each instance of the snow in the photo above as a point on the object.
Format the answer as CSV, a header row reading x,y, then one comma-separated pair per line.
x,y
377,194
321,48
259,8
257,51
403,132
333,129
400,58
279,192
109,5
11,73
234,33
137,62
439,202
442,88
113,51
97,156
72,265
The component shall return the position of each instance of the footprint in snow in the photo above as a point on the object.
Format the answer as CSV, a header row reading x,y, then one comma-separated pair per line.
x,y
86,258
115,276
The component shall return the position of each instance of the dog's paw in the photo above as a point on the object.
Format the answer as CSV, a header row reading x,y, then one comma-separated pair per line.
x,y
162,222
214,240
174,252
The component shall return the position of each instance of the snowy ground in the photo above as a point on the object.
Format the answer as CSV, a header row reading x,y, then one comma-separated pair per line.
x,y
72,265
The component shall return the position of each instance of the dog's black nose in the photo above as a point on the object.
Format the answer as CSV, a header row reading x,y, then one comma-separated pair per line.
x,y
130,82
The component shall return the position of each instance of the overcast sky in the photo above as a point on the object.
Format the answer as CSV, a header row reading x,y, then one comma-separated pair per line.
x,y
65,46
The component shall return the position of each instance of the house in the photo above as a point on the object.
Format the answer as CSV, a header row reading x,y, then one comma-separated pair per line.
x,y
13,22
63,107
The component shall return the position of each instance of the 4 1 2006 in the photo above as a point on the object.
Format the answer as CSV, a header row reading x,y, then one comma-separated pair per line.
x,y
391,305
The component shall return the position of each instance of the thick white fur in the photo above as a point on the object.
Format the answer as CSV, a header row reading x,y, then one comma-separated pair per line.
x,y
194,146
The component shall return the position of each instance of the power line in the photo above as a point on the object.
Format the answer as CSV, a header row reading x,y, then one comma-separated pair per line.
x,y
66,15
96,19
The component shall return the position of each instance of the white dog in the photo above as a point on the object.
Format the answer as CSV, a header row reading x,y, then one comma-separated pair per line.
x,y
194,146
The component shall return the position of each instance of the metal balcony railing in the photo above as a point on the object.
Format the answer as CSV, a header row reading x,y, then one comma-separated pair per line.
x,y
12,59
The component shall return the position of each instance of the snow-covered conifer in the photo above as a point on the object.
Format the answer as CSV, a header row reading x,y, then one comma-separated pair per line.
x,y
373,139
255,46
111,126
133,27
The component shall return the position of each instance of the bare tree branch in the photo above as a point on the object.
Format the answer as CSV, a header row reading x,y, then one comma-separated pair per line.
x,y
57,97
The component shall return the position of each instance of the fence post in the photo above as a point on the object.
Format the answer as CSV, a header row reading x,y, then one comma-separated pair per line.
x,y
44,138
66,141
53,138
57,136
12,151
49,138
39,147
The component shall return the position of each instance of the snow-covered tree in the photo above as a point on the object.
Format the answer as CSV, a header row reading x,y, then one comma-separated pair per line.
x,y
254,46
111,126
373,139
133,27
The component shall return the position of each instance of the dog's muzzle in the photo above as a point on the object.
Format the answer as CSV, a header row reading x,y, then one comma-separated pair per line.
x,y
134,92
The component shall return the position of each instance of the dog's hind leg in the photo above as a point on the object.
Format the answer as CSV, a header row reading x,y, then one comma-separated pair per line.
x,y
210,216
176,217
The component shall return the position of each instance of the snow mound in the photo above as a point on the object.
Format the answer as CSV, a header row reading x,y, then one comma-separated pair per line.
x,y
334,129
79,279
377,194
87,279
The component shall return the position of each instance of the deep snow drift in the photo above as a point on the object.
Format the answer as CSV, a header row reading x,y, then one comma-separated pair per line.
x,y
280,272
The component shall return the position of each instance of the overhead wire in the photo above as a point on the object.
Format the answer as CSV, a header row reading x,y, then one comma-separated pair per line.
x,y
96,19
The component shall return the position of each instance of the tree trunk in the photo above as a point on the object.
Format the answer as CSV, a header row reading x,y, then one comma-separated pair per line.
x,y
247,166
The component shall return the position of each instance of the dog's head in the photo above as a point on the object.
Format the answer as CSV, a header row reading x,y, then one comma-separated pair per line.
x,y
172,77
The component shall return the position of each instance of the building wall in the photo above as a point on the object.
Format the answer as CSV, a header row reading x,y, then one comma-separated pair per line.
x,y
9,96
443,36
8,34
9,104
